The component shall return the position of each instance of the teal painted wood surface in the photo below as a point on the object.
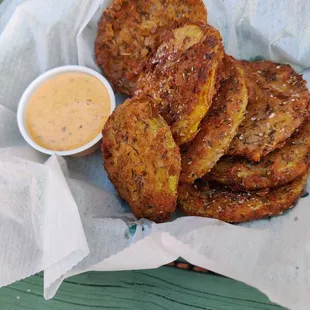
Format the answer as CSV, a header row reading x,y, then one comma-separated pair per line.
x,y
165,288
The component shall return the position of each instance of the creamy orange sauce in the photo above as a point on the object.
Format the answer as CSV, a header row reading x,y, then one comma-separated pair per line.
x,y
68,111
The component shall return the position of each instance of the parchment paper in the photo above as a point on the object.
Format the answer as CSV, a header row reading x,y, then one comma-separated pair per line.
x,y
63,216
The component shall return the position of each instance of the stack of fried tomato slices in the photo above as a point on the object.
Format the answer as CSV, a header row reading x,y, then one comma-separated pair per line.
x,y
218,137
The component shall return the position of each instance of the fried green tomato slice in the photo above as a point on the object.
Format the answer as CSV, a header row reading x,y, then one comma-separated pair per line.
x,y
181,77
220,125
278,104
141,159
277,168
234,207
129,32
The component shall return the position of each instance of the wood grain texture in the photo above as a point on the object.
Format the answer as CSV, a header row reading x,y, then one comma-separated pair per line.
x,y
165,288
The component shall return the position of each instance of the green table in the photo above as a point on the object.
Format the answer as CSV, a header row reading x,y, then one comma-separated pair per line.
x,y
165,288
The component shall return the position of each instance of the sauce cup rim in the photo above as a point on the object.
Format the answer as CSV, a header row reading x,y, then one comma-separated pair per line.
x,y
35,84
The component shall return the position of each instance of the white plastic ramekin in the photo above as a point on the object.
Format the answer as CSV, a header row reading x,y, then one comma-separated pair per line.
x,y
24,101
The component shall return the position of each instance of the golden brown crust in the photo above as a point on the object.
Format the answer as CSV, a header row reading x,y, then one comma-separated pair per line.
x,y
219,126
277,168
141,158
131,30
237,207
181,77
278,104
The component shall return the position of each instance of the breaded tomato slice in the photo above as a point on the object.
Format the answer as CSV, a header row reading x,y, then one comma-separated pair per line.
x,y
131,30
220,125
181,77
278,105
277,168
235,207
141,158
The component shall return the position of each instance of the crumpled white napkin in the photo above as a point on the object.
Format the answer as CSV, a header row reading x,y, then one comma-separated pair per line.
x,y
63,216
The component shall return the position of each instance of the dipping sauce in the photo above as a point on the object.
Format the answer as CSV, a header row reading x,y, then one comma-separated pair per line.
x,y
68,111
